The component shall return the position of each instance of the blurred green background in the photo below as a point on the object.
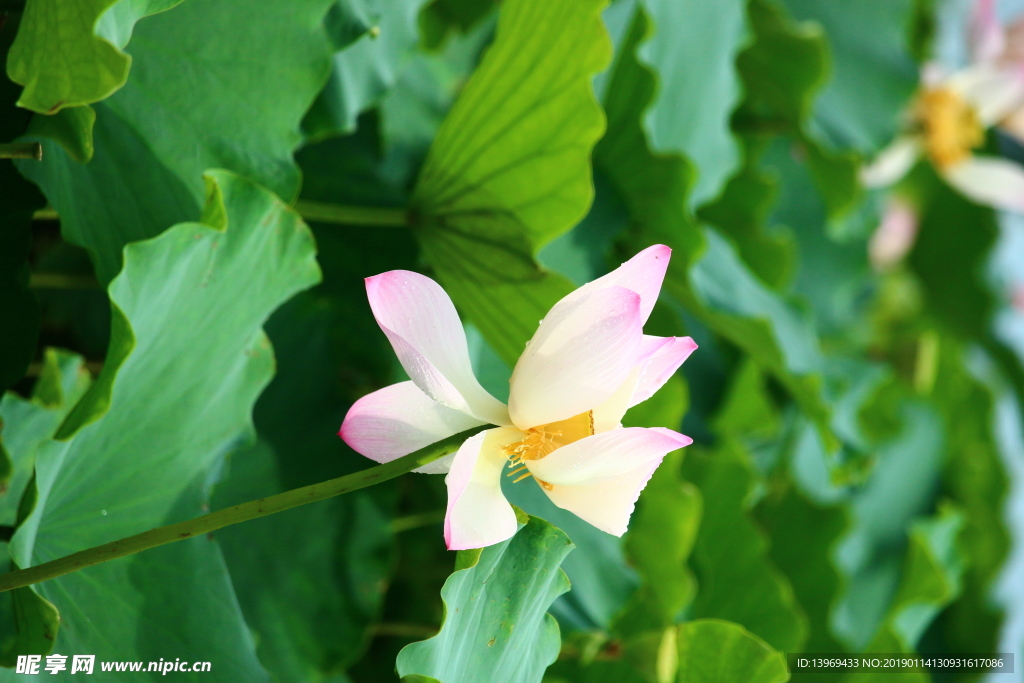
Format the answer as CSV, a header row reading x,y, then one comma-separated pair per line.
x,y
856,479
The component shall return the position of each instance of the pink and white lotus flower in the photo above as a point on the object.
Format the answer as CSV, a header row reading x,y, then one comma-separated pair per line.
x,y
588,362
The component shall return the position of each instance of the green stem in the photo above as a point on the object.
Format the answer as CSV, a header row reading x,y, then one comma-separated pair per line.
x,y
62,281
233,515
417,521
47,214
323,212
21,150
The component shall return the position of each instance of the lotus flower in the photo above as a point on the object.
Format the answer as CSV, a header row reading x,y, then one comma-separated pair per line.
x,y
951,113
587,363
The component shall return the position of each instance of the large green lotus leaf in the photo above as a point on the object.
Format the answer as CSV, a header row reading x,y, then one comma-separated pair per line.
x,y
26,424
310,580
803,539
706,274
661,536
778,334
19,314
873,71
313,593
363,71
900,488
413,110
735,578
70,54
742,213
158,134
510,167
712,650
931,579
150,431
29,623
833,276
653,186
975,478
496,627
783,70
693,51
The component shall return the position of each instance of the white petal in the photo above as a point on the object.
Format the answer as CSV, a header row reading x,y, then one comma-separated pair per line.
x,y
600,477
581,353
892,163
607,503
1014,124
608,415
610,454
642,274
990,180
423,327
399,419
666,354
478,514
993,91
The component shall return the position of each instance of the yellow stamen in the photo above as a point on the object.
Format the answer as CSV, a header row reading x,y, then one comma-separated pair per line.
x,y
538,442
950,125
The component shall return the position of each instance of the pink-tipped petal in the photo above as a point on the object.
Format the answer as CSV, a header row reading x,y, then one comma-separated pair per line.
x,y
990,180
659,358
423,327
610,454
642,274
668,353
580,355
892,163
987,39
399,419
607,503
894,236
478,514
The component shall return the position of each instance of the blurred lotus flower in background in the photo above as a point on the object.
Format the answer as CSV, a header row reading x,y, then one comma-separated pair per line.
x,y
951,112
1017,298
588,362
894,236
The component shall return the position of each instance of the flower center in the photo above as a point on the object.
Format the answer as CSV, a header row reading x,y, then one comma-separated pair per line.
x,y
951,126
539,441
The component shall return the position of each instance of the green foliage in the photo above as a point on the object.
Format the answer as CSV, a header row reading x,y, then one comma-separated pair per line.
x,y
494,187
93,487
692,52
70,55
713,650
730,551
156,137
495,626
846,491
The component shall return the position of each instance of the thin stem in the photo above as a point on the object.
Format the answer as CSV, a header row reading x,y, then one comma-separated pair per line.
x,y
341,214
417,521
404,630
233,515
21,150
321,212
62,281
